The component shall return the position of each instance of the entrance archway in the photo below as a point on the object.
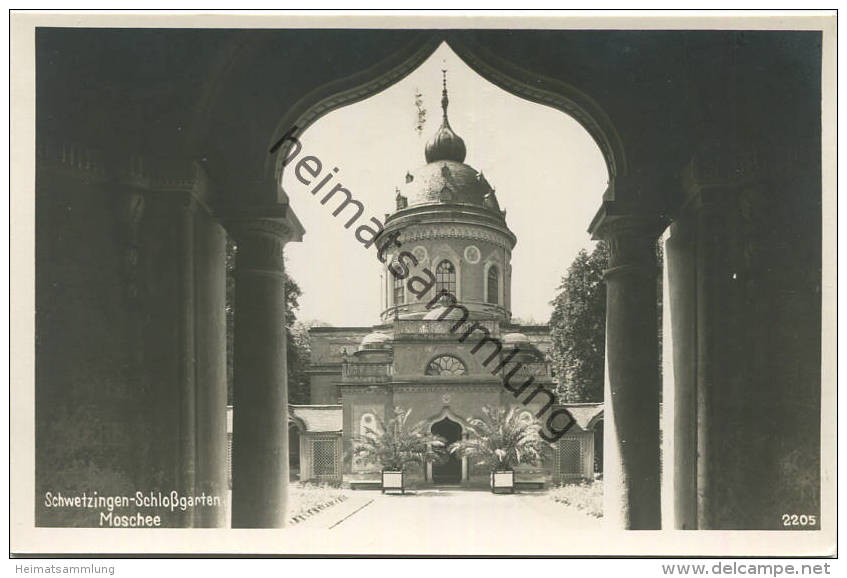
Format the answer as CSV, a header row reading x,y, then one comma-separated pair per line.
x,y
448,471
626,220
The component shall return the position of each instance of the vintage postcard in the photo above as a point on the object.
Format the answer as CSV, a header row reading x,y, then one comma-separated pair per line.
x,y
538,284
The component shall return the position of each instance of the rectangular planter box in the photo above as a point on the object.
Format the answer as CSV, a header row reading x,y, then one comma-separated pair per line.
x,y
393,481
503,482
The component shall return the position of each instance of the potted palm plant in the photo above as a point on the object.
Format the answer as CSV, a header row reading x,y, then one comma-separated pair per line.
x,y
397,447
502,440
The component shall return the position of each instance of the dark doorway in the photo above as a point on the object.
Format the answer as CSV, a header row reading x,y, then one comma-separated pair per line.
x,y
293,452
448,471
598,447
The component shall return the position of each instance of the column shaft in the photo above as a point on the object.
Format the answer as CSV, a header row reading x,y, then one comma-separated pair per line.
x,y
680,252
632,373
260,409
187,360
210,371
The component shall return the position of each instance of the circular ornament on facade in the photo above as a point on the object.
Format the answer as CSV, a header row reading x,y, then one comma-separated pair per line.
x,y
420,254
472,254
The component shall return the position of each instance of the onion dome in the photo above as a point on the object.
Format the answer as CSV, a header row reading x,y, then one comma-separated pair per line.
x,y
529,353
445,182
375,340
490,201
445,145
446,179
515,339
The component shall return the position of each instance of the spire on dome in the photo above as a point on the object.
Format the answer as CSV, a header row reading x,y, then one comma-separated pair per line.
x,y
445,145
444,100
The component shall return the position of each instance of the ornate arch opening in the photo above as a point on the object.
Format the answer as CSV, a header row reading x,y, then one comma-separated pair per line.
x,y
507,76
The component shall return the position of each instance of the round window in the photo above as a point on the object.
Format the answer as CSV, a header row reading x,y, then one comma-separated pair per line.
x,y
472,254
446,365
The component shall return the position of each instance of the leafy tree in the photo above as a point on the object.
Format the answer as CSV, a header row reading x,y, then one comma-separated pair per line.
x,y
578,328
502,440
299,353
297,339
395,446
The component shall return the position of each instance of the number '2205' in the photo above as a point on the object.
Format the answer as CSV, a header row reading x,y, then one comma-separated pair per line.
x,y
799,520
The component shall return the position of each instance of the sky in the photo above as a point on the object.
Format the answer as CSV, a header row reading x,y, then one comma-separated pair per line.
x,y
548,172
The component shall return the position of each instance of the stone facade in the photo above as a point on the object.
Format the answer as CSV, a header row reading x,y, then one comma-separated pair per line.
x,y
445,347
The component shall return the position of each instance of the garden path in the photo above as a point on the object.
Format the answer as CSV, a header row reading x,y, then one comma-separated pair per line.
x,y
445,521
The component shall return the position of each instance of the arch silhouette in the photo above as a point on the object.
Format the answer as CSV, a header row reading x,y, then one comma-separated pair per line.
x,y
503,74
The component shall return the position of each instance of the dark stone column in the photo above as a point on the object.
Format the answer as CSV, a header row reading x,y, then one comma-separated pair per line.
x,y
210,370
632,372
202,363
187,358
260,408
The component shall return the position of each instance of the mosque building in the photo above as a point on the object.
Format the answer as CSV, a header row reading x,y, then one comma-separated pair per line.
x,y
452,241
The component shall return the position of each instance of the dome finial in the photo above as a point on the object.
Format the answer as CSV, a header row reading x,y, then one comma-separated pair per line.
x,y
445,145
444,100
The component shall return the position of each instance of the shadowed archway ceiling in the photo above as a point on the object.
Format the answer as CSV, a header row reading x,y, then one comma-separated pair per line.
x,y
219,96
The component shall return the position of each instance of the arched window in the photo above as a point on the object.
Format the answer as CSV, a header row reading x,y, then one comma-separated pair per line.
x,y
446,365
445,278
399,293
493,285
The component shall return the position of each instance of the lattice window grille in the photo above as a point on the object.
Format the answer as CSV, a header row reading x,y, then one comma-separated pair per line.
x,y
229,459
323,458
570,455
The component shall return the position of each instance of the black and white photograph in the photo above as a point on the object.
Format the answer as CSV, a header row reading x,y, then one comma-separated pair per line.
x,y
423,284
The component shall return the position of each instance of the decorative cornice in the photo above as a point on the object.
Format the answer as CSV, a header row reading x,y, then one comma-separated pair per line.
x,y
470,232
260,245
276,218
456,388
631,240
90,165
376,389
260,227
325,369
436,214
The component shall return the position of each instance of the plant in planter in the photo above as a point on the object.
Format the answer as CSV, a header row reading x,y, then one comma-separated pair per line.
x,y
396,447
502,440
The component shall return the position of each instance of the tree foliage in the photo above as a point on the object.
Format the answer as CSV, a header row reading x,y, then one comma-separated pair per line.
x,y
578,328
502,439
396,446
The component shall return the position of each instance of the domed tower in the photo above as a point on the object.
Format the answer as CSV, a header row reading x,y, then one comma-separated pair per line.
x,y
449,221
